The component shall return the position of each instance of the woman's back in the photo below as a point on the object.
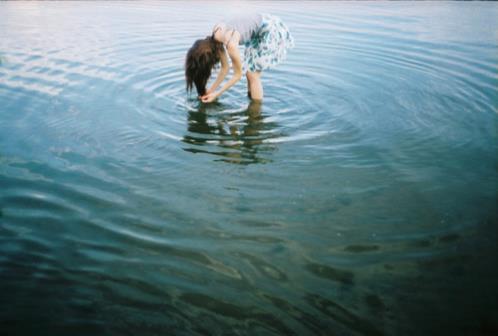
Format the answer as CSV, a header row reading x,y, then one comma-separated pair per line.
x,y
245,24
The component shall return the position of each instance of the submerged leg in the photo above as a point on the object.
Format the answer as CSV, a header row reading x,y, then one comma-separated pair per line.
x,y
248,87
254,85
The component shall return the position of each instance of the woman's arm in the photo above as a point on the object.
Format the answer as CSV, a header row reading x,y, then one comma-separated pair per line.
x,y
233,52
221,74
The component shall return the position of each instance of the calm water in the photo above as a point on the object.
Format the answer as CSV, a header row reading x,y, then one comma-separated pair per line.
x,y
360,198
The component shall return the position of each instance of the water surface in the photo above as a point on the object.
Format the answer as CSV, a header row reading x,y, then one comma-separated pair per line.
x,y
359,198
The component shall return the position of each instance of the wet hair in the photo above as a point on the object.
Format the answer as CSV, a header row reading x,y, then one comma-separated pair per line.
x,y
201,58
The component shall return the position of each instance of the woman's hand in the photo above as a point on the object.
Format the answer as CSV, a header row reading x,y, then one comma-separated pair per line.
x,y
208,91
209,97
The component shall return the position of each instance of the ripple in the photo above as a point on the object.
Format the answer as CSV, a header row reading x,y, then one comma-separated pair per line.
x,y
371,162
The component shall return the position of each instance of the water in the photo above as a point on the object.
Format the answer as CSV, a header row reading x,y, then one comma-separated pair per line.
x,y
360,198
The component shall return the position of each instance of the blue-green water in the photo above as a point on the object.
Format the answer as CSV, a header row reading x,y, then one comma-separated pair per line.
x,y
360,198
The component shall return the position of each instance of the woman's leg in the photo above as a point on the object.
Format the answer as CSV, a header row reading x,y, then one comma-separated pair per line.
x,y
254,86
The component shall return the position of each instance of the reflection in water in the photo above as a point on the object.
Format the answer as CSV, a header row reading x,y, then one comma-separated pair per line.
x,y
237,137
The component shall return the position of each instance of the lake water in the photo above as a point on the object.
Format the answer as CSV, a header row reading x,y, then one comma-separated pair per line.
x,y
360,197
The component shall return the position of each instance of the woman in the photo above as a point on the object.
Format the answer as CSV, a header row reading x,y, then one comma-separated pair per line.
x,y
266,40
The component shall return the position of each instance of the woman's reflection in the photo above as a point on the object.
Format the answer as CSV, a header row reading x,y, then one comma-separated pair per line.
x,y
240,135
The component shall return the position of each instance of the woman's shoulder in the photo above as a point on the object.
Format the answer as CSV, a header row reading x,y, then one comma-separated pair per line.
x,y
219,26
217,31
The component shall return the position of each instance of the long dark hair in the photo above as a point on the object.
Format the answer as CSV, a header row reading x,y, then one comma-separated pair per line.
x,y
201,58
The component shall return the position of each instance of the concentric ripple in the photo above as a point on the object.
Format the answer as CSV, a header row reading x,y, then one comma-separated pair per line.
x,y
358,198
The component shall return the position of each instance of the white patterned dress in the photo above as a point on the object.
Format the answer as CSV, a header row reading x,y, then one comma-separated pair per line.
x,y
265,37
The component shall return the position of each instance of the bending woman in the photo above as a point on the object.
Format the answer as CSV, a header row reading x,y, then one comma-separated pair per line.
x,y
266,40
